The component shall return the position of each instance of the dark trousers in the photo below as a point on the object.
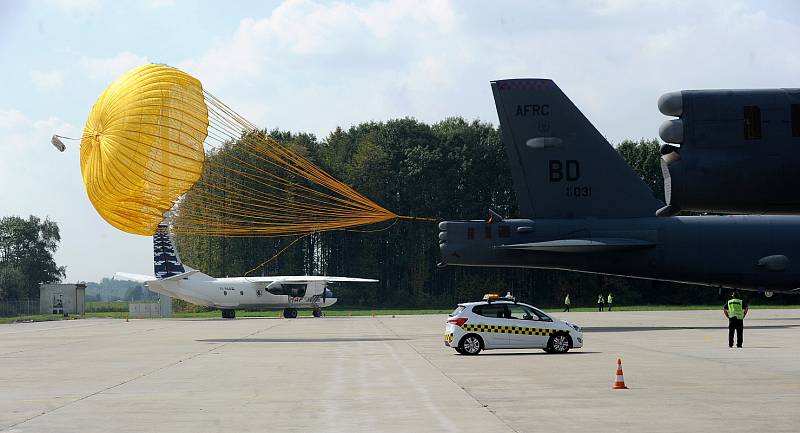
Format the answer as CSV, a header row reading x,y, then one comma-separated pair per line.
x,y
599,307
566,308
737,326
609,307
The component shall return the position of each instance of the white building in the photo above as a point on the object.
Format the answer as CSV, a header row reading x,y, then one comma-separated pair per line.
x,y
62,299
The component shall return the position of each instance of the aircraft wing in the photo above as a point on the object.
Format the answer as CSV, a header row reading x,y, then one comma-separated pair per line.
x,y
310,278
124,276
593,245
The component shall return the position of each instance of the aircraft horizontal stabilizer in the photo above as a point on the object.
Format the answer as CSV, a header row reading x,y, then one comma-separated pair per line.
x,y
592,245
180,276
139,278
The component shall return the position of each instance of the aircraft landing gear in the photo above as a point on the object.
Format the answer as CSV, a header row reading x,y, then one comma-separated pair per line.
x,y
289,313
317,312
228,314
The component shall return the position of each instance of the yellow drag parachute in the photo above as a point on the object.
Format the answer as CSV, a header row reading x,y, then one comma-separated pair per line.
x,y
142,147
156,142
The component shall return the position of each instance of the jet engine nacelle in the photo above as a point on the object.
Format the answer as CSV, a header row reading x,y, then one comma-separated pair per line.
x,y
731,151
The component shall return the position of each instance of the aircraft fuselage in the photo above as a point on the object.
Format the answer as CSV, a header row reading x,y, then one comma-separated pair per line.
x,y
727,251
245,293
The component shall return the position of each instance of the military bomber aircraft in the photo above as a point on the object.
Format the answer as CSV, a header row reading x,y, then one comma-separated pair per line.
x,y
584,209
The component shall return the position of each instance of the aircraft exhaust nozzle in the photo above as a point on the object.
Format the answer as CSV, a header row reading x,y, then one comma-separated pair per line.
x,y
671,104
671,131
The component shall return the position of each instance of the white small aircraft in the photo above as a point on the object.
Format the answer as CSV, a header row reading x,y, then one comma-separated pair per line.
x,y
174,279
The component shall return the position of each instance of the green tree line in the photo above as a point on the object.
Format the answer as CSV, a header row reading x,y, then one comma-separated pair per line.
x,y
26,256
453,169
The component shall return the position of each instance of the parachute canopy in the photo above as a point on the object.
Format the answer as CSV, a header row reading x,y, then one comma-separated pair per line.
x,y
142,146
156,142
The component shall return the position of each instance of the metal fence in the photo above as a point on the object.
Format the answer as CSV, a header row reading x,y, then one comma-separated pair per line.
x,y
19,307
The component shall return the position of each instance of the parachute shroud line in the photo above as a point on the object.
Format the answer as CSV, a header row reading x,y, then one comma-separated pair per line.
x,y
156,142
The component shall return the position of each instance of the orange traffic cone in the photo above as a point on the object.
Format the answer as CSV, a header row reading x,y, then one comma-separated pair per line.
x,y
620,382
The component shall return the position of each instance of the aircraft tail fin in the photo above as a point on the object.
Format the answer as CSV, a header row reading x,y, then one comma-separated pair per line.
x,y
561,166
165,256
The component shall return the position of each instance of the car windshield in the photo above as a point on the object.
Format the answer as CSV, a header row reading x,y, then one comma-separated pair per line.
x,y
542,315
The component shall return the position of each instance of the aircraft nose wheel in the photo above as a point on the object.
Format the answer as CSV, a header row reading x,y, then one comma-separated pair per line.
x,y
289,313
228,314
317,312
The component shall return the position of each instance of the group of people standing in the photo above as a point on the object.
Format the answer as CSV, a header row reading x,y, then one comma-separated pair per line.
x,y
735,310
608,302
601,301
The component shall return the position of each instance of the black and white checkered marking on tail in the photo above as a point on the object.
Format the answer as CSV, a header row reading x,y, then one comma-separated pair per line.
x,y
165,257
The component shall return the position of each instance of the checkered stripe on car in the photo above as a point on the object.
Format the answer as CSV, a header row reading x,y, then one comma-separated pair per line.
x,y
499,329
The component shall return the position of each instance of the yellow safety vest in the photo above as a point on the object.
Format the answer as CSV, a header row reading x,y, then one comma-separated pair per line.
x,y
600,299
566,300
735,308
610,298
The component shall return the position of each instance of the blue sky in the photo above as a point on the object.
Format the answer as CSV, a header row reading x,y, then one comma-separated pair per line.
x,y
312,66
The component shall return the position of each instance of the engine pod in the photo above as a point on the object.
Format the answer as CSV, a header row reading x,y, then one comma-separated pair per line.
x,y
671,104
671,131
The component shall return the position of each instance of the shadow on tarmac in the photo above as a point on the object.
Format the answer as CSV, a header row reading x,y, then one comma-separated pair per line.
x,y
674,328
299,340
542,353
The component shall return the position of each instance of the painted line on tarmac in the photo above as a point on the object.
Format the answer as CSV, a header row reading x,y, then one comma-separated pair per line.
x,y
453,381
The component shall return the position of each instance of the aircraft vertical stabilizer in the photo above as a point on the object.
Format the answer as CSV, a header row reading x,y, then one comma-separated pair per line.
x,y
561,166
165,256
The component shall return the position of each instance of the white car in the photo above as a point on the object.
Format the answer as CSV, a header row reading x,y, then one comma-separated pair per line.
x,y
503,323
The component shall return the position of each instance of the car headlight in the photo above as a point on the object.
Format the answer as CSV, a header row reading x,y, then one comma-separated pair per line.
x,y
575,327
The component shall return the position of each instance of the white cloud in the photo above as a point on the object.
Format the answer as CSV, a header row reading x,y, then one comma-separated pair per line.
x,y
156,4
15,122
79,5
307,28
45,81
312,66
615,7
11,119
109,68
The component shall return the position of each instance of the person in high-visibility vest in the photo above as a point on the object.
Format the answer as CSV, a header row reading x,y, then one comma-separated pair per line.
x,y
735,310
609,301
567,303
600,302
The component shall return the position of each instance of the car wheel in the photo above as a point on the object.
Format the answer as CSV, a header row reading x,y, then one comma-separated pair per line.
x,y
471,344
559,343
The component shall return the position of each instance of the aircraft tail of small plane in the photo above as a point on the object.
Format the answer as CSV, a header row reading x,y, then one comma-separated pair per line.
x,y
167,264
562,167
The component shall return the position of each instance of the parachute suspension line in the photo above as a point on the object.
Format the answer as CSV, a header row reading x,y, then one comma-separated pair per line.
x,y
157,143
252,185
278,253
374,230
68,138
403,217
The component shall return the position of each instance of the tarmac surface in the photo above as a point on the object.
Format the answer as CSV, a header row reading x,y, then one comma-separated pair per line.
x,y
384,374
